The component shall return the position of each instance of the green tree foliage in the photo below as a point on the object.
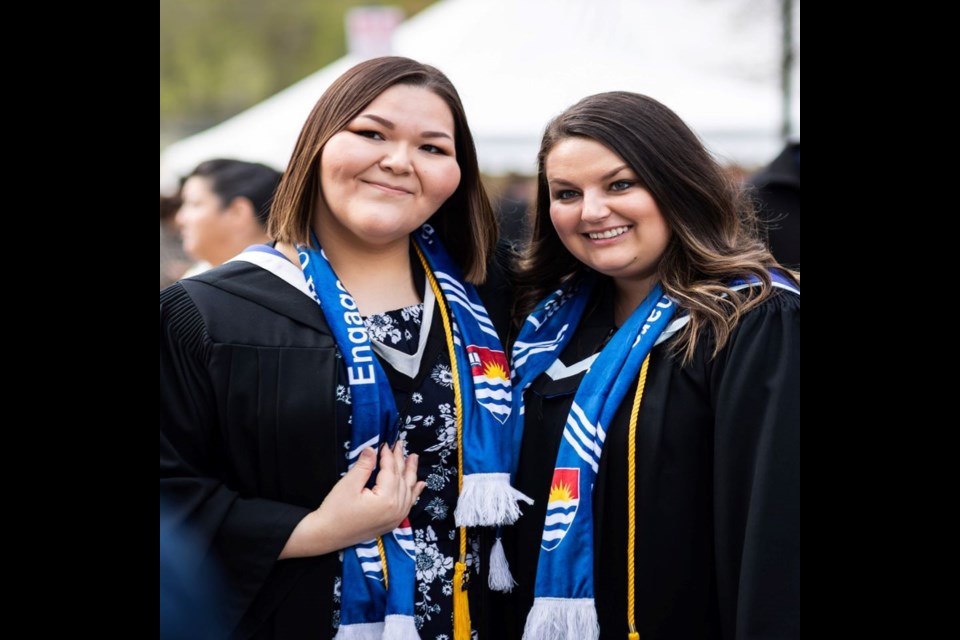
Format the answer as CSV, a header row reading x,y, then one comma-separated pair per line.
x,y
218,57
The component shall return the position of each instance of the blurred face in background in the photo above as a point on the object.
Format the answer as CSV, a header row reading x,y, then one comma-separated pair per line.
x,y
204,228
388,171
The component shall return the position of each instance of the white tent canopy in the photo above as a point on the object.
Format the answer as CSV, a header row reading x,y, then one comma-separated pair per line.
x,y
517,63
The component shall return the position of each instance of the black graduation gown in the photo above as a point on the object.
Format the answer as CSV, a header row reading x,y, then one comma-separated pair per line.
x,y
249,443
718,485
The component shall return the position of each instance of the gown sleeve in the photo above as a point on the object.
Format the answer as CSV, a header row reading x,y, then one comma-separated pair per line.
x,y
755,388
237,538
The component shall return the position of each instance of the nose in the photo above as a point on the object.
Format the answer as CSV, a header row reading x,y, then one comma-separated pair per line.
x,y
595,207
396,159
180,218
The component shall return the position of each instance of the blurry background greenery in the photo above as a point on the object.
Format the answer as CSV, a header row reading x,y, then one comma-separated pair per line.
x,y
218,57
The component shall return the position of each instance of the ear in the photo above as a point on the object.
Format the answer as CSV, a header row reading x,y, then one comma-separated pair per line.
x,y
241,210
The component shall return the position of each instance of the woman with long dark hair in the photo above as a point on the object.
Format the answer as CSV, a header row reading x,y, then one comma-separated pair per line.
x,y
657,369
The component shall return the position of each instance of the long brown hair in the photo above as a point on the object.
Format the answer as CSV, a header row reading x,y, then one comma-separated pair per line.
x,y
465,222
714,226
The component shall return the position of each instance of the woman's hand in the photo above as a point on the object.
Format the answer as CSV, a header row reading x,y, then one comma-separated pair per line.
x,y
351,512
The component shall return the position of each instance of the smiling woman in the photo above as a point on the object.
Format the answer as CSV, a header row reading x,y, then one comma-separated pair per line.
x,y
385,174
285,371
658,369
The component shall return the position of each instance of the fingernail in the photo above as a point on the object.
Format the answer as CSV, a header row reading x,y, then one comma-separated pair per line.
x,y
366,453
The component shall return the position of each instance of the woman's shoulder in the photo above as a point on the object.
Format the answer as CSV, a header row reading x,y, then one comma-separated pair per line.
x,y
780,301
242,303
778,313
208,291
765,327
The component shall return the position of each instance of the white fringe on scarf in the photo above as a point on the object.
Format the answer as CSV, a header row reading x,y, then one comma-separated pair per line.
x,y
552,618
365,631
500,578
397,627
487,499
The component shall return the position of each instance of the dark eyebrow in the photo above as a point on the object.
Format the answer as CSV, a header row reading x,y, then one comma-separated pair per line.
x,y
606,176
383,121
610,174
391,126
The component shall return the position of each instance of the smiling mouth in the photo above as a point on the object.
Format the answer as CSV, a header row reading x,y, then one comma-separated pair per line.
x,y
609,233
387,188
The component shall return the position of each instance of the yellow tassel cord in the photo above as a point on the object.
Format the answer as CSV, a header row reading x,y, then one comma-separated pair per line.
x,y
383,561
461,604
632,501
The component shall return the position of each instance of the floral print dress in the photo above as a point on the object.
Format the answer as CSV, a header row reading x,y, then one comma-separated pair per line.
x,y
428,425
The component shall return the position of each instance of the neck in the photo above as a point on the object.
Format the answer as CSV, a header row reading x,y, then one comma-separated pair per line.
x,y
628,294
379,279
236,246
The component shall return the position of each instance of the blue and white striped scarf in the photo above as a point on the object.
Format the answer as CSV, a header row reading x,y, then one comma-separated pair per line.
x,y
373,607
563,595
564,590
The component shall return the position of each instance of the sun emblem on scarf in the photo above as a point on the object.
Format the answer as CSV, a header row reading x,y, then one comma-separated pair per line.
x,y
494,370
561,492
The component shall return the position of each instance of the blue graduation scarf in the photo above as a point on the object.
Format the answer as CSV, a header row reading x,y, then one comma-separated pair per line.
x,y
564,592
378,601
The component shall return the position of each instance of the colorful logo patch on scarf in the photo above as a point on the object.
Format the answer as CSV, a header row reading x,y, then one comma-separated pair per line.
x,y
491,380
404,537
561,506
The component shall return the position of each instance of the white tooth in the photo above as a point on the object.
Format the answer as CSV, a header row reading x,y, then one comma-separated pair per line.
x,y
612,233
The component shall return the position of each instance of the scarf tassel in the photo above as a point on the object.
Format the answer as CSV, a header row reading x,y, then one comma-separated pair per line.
x,y
363,631
552,618
461,603
397,627
500,578
487,500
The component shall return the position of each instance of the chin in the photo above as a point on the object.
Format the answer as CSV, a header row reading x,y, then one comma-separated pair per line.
x,y
607,269
382,236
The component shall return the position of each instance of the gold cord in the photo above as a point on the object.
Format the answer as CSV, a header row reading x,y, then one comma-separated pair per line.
x,y
632,501
383,561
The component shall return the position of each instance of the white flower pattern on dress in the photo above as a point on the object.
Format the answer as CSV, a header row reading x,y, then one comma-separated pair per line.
x,y
412,313
442,375
431,564
446,432
382,328
438,509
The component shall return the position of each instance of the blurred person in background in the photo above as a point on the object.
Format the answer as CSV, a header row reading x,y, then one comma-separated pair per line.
x,y
659,370
778,203
335,408
225,208
173,261
513,207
